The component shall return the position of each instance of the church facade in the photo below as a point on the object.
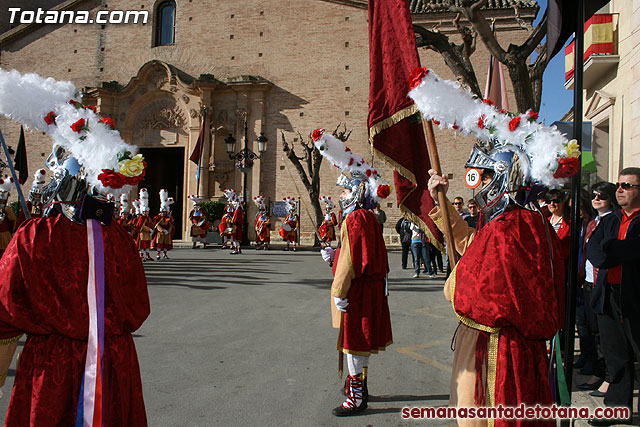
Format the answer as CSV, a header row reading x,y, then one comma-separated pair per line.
x,y
282,67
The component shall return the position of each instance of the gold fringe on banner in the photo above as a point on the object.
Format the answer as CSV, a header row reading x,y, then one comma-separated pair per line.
x,y
406,173
10,340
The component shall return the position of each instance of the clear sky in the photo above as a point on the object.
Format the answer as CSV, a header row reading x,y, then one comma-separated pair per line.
x,y
556,100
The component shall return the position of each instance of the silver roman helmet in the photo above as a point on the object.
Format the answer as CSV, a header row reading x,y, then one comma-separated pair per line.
x,y
510,167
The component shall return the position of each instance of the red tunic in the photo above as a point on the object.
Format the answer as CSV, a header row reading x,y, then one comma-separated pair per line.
x,y
48,301
238,223
143,227
162,240
367,324
291,235
225,222
504,285
196,217
327,230
263,227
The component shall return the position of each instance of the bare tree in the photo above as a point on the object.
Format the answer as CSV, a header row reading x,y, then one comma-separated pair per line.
x,y
308,168
526,78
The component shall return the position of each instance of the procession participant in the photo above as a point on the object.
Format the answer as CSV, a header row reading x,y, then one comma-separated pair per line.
x,y
7,217
84,292
144,226
507,290
360,268
226,223
262,224
290,223
327,229
125,218
135,213
34,202
237,222
199,223
163,226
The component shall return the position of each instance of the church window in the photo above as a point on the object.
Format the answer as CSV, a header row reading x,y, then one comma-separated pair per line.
x,y
165,23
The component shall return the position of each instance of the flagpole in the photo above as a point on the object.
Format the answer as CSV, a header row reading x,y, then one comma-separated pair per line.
x,y
27,214
570,301
204,116
442,198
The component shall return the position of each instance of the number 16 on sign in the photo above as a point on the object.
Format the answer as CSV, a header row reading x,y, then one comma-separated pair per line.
x,y
472,178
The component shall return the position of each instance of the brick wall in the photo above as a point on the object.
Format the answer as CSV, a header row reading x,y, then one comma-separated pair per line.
x,y
314,53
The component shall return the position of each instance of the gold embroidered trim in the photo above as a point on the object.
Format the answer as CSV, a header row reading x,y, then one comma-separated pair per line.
x,y
403,209
390,121
492,365
365,353
10,340
492,362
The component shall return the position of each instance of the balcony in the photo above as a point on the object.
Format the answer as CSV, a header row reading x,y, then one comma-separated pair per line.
x,y
600,51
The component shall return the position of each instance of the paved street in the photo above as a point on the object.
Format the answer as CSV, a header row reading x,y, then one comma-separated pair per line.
x,y
246,340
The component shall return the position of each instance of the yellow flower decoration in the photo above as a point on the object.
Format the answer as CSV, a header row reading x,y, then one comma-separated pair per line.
x,y
572,148
132,167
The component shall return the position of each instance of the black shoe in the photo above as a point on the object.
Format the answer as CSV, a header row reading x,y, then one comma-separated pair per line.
x,y
609,422
343,412
597,393
589,386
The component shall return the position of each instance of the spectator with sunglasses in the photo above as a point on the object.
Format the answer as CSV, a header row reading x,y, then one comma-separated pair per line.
x,y
603,201
458,204
614,249
559,219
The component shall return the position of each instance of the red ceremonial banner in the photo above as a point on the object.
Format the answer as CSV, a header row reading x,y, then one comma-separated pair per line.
x,y
395,126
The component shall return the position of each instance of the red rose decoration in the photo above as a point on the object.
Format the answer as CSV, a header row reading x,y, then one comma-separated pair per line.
x,y
50,118
75,103
514,123
351,161
92,108
116,180
533,115
435,122
488,101
108,121
383,191
79,126
481,121
455,126
112,179
368,173
317,134
347,149
503,111
569,166
416,76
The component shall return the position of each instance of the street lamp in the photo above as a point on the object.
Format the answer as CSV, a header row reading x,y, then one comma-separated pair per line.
x,y
244,162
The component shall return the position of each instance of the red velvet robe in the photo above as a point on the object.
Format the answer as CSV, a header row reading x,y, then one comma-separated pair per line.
x,y
238,222
507,285
360,268
43,292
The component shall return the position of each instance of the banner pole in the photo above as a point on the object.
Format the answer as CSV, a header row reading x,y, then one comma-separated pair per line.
x,y
442,198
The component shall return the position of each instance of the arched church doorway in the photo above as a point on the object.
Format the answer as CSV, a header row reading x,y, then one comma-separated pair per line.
x,y
166,170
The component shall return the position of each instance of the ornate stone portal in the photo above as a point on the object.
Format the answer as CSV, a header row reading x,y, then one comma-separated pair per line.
x,y
163,107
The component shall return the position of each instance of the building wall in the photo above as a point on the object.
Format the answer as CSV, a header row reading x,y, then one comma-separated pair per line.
x,y
615,99
315,54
